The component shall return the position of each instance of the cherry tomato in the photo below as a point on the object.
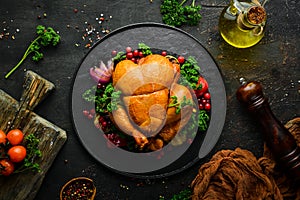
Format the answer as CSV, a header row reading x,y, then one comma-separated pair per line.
x,y
181,59
17,153
3,137
6,167
204,87
15,136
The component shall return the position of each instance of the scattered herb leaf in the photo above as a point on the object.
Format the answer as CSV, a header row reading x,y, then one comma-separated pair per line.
x,y
46,36
183,195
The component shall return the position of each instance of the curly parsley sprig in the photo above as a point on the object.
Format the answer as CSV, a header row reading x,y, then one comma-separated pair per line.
x,y
33,152
146,50
190,73
203,119
178,105
106,101
176,14
46,37
185,194
120,56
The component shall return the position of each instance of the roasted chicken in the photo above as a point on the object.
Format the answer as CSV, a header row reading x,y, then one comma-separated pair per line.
x,y
151,98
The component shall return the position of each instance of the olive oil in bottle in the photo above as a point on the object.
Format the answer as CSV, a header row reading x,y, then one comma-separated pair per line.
x,y
242,24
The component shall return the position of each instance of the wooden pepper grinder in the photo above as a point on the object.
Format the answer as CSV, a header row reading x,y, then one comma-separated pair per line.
x,y
280,141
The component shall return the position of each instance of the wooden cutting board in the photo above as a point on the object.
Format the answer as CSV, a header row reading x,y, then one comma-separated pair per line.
x,y
20,115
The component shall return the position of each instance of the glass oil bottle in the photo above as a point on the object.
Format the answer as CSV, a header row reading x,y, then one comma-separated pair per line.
x,y
242,24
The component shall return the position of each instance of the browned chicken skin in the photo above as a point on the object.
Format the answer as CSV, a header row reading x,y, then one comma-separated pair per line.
x,y
147,88
121,120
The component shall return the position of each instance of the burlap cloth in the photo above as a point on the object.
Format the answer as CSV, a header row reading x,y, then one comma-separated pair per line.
x,y
240,175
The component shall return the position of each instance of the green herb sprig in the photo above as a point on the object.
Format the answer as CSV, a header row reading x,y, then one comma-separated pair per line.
x,y
46,37
189,71
146,50
203,119
176,14
192,14
33,152
107,100
179,105
185,194
89,94
120,56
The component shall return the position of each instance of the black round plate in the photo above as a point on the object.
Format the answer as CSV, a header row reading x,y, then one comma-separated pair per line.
x,y
147,165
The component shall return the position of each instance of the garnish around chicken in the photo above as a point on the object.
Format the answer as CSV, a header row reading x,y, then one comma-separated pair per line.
x,y
148,99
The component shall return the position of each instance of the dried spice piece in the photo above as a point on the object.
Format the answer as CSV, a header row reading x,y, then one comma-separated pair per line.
x,y
93,32
8,32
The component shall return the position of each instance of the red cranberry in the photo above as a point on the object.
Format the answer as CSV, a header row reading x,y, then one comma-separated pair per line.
x,y
207,106
136,53
206,95
128,49
85,112
141,54
129,55
181,59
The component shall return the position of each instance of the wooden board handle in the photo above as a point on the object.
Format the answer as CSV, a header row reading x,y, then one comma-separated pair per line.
x,y
36,88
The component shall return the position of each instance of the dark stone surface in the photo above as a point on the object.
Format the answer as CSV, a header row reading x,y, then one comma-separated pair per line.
x,y
274,62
